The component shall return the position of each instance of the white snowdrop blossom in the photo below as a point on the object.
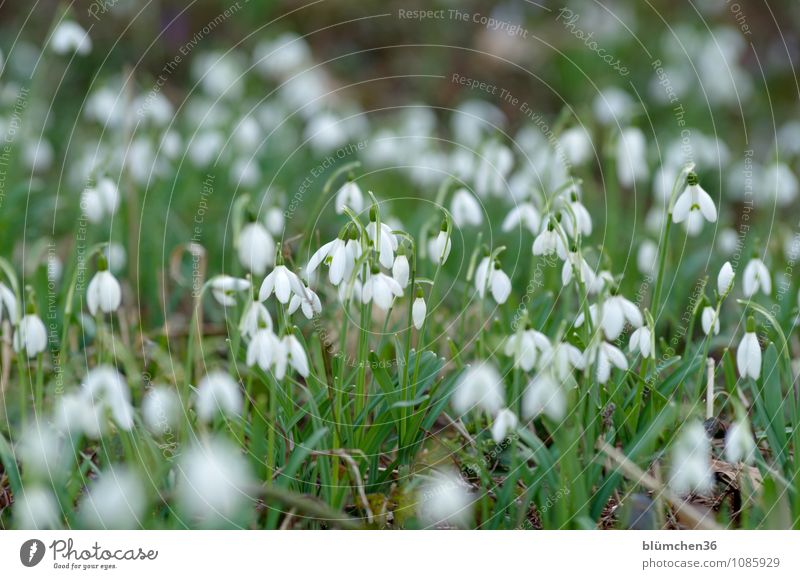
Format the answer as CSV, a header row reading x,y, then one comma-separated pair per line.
x,y
631,157
647,257
548,242
255,248
465,209
419,310
104,292
525,346
613,313
290,352
309,305
161,410
262,348
225,287
255,316
439,247
748,354
36,508
576,218
382,289
725,279
544,395
275,221
107,394
739,443
213,483
505,422
284,283
445,500
489,276
101,201
756,277
115,500
388,243
606,356
575,262
217,393
525,215
40,449
694,206
561,359
642,341
30,336
691,461
350,196
339,255
710,321
400,270
479,386
8,304
69,37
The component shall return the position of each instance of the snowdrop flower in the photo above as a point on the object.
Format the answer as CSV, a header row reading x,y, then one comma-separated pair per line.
x,y
575,146
439,246
256,316
350,291
748,354
497,162
693,206
400,270
756,277
613,314
631,157
642,341
525,347
104,292
575,262
262,348
505,422
576,218
549,242
107,393
36,508
309,304
30,336
350,196
256,248
388,241
8,304
225,287
465,209
40,450
218,392
709,321
489,276
339,255
691,461
290,353
479,386
274,221
419,310
647,257
445,500
381,288
101,201
525,215
213,483
725,279
69,37
284,283
561,359
161,410
544,395
607,356
115,500
739,443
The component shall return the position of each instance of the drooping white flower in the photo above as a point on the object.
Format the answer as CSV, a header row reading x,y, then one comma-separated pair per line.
x,y
349,195
104,292
544,395
30,336
756,277
480,386
561,359
647,257
8,304
400,270
548,242
748,355
725,279
691,461
418,311
36,508
225,287
107,394
40,450
161,410
606,356
340,257
495,165
115,500
256,248
382,289
70,37
290,353
575,146
262,348
309,305
739,443
283,282
710,321
631,157
465,209
575,262
217,393
213,484
525,346
445,500
388,243
275,221
439,247
525,215
255,316
350,292
576,218
693,206
642,341
613,313
505,422
489,276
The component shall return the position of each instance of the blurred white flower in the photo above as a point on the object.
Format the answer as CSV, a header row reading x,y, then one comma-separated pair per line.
x,y
115,500
350,196
401,270
30,336
282,56
261,349
39,449
275,221
642,341
107,393
290,353
647,257
525,346
560,359
225,287
284,283
445,500
382,289
492,172
69,37
255,316
748,355
575,146
710,321
465,209
613,106
725,279
575,218
614,312
505,422
631,157
489,276
691,461
217,393
309,304
161,409
544,395
524,215
340,257
104,293
756,277
439,247
256,248
8,304
36,508
739,443
479,386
